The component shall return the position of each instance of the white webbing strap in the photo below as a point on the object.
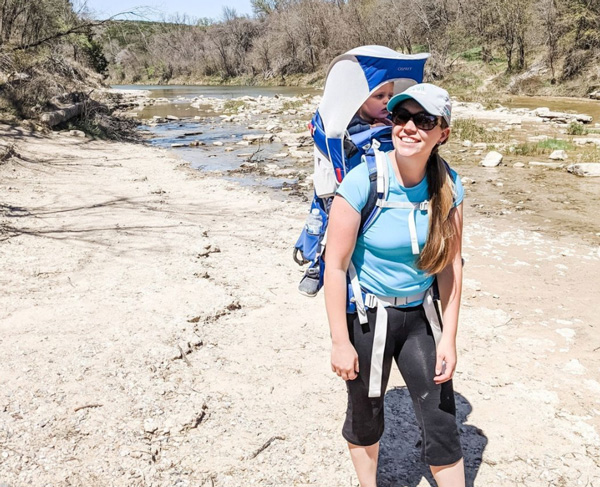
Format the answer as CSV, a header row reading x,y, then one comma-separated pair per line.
x,y
380,337
433,315
358,297
382,174
412,225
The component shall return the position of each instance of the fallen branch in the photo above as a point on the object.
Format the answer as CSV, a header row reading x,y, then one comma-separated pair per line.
x,y
183,356
62,115
265,446
86,406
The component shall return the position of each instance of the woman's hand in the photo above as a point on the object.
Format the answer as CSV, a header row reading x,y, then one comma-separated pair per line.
x,y
445,363
344,360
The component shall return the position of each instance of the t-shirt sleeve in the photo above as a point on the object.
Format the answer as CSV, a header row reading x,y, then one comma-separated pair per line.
x,y
459,191
355,187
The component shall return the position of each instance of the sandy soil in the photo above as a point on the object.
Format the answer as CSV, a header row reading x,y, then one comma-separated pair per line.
x,y
151,334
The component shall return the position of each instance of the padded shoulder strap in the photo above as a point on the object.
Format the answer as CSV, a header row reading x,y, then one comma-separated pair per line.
x,y
371,205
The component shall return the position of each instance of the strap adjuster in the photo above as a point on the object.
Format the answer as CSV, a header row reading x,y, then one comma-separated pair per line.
x,y
423,205
370,300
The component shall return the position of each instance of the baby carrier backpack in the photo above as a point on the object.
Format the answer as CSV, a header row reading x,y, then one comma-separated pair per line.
x,y
351,79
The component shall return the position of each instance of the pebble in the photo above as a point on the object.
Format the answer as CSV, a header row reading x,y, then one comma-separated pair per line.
x,y
150,425
518,164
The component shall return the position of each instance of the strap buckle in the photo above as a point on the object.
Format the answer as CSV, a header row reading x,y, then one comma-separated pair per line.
x,y
370,300
423,205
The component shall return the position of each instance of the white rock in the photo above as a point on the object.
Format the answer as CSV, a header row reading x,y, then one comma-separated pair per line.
x,y
591,169
467,143
568,333
76,133
558,155
574,367
172,117
218,143
553,165
178,144
518,164
150,425
492,159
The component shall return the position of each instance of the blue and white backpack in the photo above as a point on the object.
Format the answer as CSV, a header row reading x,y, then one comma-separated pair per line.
x,y
351,79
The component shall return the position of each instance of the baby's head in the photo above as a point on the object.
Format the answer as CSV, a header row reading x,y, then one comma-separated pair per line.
x,y
375,108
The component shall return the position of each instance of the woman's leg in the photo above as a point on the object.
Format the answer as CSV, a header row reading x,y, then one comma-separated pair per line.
x,y
433,403
449,475
364,422
364,459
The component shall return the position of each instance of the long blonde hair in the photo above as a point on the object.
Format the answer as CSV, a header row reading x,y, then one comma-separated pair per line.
x,y
440,246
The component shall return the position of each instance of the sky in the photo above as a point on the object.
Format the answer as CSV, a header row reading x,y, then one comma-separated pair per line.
x,y
157,9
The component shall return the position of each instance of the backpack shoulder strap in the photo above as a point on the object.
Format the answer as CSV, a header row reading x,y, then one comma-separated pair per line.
x,y
378,186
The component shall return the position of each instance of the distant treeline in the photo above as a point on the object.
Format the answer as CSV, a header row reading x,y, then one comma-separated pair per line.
x,y
47,49
291,37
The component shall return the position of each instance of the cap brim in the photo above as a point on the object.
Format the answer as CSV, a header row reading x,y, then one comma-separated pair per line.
x,y
400,97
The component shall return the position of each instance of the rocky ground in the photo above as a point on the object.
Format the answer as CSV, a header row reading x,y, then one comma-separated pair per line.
x,y
151,332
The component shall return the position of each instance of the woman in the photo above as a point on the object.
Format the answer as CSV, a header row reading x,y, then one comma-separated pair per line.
x,y
396,262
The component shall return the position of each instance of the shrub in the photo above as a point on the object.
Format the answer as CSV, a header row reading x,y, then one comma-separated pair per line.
x,y
473,130
576,128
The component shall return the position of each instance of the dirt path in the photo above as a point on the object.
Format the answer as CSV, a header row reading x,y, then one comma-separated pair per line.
x,y
151,334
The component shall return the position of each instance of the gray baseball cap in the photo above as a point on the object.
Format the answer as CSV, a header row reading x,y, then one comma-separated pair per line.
x,y
433,99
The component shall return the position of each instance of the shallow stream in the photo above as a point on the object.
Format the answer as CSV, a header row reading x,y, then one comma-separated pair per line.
x,y
549,200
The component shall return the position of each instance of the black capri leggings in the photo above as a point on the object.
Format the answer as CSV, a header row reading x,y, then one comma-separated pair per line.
x,y
410,342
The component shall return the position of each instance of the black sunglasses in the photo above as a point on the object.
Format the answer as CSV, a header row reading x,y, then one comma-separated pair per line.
x,y
422,120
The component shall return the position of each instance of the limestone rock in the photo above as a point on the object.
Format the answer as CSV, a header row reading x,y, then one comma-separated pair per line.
x,y
591,169
558,155
492,159
552,165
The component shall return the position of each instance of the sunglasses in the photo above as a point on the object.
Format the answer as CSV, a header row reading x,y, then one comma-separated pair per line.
x,y
422,120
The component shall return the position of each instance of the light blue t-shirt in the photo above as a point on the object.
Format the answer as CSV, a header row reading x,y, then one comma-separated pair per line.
x,y
383,256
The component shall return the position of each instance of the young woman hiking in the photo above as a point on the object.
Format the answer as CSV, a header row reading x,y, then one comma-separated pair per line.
x,y
414,242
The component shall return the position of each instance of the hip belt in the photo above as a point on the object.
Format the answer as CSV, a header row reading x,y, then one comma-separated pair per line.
x,y
431,307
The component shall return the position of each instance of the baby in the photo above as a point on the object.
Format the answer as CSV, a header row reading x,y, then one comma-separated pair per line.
x,y
373,112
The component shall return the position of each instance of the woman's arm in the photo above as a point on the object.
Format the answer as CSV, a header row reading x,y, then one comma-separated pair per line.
x,y
450,286
342,230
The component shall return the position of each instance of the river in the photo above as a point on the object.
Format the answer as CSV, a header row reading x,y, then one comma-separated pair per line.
x,y
552,201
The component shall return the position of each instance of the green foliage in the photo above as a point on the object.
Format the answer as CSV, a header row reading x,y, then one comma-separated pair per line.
x,y
473,130
233,105
473,54
293,104
576,128
542,147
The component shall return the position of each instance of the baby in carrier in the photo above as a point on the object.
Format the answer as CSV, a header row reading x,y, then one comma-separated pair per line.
x,y
372,113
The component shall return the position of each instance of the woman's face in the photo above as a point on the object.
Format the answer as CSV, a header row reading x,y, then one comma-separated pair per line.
x,y
412,141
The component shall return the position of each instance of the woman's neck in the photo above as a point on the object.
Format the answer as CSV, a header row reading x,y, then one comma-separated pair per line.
x,y
409,171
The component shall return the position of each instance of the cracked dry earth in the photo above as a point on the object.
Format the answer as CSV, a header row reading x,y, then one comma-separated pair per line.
x,y
151,335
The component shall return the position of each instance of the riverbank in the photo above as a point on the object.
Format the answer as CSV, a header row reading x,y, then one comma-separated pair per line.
x,y
152,333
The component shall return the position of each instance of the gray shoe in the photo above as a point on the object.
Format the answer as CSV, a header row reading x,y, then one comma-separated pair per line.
x,y
309,285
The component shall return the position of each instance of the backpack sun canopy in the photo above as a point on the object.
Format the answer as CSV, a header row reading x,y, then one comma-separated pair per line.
x,y
351,78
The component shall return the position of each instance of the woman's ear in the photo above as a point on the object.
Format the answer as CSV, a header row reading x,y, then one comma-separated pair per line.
x,y
444,136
